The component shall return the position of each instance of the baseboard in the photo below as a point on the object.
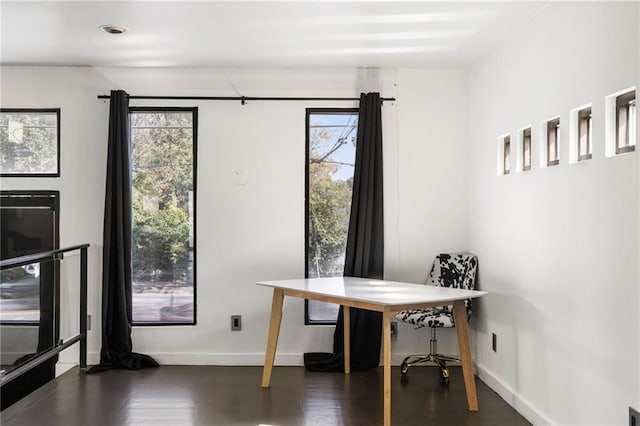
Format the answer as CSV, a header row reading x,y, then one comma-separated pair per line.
x,y
245,359
522,406
63,367
226,359
230,359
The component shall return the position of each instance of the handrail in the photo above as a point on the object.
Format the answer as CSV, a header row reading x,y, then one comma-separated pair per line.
x,y
38,359
32,258
62,345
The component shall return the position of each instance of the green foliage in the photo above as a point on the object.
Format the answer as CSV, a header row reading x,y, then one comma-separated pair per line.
x,y
28,142
161,244
329,207
162,176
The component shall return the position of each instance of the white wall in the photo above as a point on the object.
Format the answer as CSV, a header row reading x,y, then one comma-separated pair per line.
x,y
250,218
637,406
558,247
82,160
432,195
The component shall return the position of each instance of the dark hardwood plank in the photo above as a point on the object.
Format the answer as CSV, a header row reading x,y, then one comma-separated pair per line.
x,y
228,396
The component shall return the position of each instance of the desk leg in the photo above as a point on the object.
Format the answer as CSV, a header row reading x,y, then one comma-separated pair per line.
x,y
272,340
346,314
462,329
386,337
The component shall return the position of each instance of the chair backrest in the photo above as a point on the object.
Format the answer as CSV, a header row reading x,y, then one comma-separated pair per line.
x,y
457,270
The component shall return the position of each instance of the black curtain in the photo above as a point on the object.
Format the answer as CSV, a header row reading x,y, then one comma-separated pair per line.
x,y
117,347
365,246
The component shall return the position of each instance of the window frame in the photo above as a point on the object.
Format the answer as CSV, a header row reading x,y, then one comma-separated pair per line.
x,y
585,115
553,129
194,112
55,111
623,106
308,113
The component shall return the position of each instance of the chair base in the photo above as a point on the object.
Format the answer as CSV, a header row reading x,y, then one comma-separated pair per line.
x,y
440,360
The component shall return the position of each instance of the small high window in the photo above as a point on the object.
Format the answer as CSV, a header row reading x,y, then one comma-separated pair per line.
x,y
526,149
506,166
553,142
626,122
585,133
620,122
30,142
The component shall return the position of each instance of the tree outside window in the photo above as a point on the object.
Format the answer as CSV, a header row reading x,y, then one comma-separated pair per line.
x,y
29,142
163,188
331,148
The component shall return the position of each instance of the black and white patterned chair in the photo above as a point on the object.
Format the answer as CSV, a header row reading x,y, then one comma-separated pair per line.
x,y
456,270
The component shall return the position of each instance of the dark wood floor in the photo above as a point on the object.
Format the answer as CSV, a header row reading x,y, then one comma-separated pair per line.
x,y
228,396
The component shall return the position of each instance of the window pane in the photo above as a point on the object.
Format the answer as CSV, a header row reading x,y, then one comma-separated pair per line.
x,y
163,216
632,123
507,155
28,226
553,138
622,126
583,138
29,142
584,134
20,294
332,150
526,150
626,122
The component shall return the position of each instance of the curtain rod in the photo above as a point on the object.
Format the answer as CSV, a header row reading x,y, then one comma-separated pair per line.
x,y
243,99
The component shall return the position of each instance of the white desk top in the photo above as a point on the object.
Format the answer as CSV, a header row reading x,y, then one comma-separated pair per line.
x,y
380,292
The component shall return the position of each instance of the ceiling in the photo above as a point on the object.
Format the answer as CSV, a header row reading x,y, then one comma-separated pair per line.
x,y
257,34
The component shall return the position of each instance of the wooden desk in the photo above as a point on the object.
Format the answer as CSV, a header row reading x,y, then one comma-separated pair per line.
x,y
375,295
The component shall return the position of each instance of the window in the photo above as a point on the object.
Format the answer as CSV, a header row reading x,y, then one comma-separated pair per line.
x,y
620,122
581,134
626,122
331,152
28,225
526,149
506,166
29,142
553,142
163,157
585,133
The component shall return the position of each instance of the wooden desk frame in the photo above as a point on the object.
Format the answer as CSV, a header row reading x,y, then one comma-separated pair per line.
x,y
462,331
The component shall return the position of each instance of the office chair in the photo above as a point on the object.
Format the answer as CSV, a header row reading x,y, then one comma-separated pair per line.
x,y
456,270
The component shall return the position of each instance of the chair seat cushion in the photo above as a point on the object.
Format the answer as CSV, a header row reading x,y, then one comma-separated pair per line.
x,y
441,316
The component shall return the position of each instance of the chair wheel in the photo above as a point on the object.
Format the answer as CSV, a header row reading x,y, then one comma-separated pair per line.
x,y
404,373
444,376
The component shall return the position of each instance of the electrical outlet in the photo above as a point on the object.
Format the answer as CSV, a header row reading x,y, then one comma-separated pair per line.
x,y
236,322
634,417
494,342
394,329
